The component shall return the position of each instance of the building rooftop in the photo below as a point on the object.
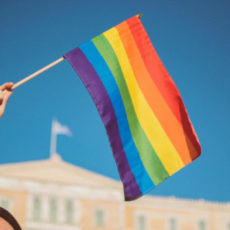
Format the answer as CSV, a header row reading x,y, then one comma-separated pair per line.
x,y
58,171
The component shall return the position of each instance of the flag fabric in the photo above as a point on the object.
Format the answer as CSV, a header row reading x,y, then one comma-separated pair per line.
x,y
145,118
57,128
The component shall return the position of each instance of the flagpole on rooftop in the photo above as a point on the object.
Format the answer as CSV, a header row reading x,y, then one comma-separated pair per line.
x,y
57,129
53,141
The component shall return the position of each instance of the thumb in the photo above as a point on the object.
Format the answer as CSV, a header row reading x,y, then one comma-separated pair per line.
x,y
6,98
1,97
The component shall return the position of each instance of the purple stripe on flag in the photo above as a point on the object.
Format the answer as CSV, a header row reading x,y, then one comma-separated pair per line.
x,y
105,108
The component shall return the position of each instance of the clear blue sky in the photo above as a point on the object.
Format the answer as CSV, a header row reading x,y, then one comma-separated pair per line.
x,y
192,39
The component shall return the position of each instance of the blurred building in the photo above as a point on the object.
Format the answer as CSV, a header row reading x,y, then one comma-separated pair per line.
x,y
55,195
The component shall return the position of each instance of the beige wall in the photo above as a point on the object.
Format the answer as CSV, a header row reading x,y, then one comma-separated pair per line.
x,y
19,201
122,216
119,215
111,211
216,216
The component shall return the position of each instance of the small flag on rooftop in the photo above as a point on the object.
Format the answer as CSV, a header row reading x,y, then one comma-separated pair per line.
x,y
57,129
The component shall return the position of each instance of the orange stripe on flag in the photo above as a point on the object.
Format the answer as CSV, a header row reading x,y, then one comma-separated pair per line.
x,y
154,98
163,81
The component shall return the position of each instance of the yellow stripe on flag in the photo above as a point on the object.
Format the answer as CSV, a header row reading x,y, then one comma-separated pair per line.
x,y
149,122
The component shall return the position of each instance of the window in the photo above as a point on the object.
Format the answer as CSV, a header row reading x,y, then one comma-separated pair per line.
x,y
5,203
100,218
69,211
53,210
228,226
202,225
172,224
36,208
141,222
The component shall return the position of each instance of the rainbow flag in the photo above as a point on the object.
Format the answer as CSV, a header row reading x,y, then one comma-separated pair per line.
x,y
145,118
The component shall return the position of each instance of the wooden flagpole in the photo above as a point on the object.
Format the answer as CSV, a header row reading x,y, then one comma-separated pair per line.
x,y
35,74
38,72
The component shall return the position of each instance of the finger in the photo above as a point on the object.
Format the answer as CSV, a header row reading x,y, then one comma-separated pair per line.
x,y
7,85
3,89
5,99
1,97
7,96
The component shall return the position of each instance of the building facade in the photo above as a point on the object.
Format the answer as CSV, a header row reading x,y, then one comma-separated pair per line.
x,y
55,195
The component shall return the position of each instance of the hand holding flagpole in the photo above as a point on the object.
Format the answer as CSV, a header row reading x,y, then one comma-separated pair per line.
x,y
5,93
